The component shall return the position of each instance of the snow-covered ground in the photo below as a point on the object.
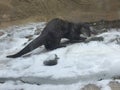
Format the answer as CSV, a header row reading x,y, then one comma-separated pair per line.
x,y
78,64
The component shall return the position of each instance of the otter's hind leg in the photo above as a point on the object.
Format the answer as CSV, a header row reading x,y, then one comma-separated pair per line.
x,y
50,45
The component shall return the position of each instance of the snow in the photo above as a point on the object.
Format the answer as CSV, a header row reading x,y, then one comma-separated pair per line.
x,y
78,63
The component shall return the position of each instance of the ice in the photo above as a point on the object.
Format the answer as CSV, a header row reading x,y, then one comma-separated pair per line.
x,y
77,63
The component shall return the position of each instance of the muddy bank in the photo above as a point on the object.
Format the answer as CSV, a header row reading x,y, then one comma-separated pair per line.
x,y
23,11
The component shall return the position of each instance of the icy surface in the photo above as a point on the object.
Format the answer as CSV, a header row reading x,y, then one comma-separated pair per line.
x,y
78,63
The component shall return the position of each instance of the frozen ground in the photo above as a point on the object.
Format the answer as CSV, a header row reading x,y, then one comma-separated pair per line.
x,y
78,64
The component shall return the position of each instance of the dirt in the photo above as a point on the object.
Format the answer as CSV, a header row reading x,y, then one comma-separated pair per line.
x,y
23,11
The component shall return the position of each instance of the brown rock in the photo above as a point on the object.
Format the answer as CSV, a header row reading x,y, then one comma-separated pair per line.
x,y
90,87
114,85
1,33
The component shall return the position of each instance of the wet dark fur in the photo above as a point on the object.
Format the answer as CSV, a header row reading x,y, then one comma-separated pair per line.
x,y
52,34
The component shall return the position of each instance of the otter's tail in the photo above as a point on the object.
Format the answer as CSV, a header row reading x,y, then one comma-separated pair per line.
x,y
31,46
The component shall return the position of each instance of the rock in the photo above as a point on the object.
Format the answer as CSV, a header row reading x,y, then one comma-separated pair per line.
x,y
90,87
1,33
114,85
30,37
94,39
51,61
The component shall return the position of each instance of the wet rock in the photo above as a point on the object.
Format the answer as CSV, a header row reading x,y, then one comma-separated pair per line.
x,y
94,39
98,27
1,33
114,85
30,37
90,87
39,28
52,60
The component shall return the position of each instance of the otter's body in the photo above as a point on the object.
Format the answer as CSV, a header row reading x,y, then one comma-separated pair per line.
x,y
52,34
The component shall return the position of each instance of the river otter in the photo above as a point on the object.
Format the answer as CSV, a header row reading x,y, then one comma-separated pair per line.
x,y
52,34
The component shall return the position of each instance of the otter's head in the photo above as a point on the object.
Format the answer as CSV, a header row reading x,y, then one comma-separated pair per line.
x,y
85,30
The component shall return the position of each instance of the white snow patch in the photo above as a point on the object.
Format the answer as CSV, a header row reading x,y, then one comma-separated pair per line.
x,y
79,62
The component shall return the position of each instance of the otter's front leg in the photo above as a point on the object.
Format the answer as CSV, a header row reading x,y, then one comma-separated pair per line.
x,y
80,39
